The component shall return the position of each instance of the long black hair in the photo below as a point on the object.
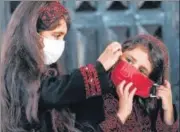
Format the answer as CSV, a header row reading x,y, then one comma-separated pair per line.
x,y
22,66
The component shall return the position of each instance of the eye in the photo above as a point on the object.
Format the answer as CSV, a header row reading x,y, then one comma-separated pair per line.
x,y
129,60
57,36
143,71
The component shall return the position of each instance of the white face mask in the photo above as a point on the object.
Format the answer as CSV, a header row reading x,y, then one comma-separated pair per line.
x,y
53,50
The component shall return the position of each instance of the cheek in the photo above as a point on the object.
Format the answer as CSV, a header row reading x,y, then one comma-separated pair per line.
x,y
62,37
123,58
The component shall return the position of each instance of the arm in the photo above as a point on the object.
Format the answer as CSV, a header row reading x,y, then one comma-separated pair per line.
x,y
83,83
169,116
112,123
162,126
164,93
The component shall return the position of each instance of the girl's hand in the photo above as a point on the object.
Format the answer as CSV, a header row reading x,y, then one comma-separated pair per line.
x,y
125,100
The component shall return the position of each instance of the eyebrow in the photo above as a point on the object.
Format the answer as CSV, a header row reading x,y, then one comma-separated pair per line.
x,y
144,68
58,32
132,57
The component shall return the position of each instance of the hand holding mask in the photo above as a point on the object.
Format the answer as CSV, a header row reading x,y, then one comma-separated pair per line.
x,y
125,71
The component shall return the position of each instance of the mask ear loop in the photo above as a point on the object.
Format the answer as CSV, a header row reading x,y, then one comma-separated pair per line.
x,y
153,91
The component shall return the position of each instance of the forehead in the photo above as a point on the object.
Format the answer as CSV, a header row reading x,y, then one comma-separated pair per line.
x,y
140,54
61,26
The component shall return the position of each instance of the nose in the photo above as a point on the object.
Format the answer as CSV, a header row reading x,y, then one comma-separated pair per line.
x,y
136,65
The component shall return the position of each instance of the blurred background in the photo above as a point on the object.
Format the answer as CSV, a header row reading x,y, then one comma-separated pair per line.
x,y
97,23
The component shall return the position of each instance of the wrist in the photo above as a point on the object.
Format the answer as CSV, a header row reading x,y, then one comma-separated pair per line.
x,y
169,109
121,117
169,116
100,67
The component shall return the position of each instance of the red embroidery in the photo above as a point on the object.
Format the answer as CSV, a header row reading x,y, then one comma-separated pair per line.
x,y
137,121
162,127
91,81
85,77
110,125
112,122
110,108
95,80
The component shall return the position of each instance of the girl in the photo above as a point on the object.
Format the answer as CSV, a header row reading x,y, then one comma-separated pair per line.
x,y
34,96
123,111
132,113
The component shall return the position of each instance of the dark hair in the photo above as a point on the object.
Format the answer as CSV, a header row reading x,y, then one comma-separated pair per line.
x,y
22,66
157,58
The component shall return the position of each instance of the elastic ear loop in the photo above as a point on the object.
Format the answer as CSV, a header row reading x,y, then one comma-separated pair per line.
x,y
153,95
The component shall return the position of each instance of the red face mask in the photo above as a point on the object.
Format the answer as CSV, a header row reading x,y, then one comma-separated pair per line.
x,y
125,71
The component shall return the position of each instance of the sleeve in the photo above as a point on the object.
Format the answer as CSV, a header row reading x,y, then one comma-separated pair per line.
x,y
162,127
83,83
111,124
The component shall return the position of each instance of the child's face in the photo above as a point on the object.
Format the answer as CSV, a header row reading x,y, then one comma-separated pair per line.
x,y
58,33
138,57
